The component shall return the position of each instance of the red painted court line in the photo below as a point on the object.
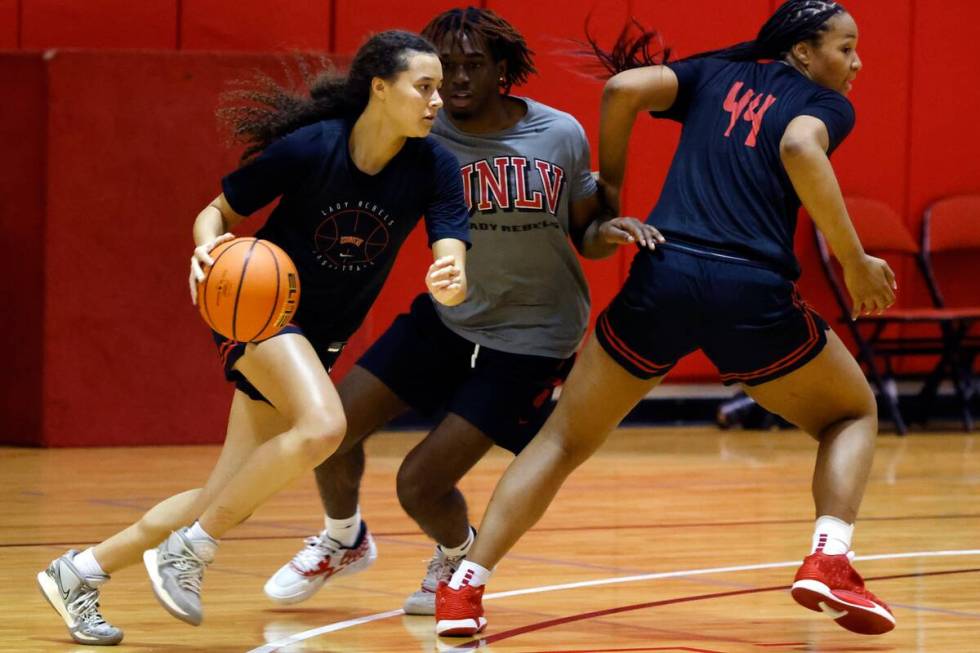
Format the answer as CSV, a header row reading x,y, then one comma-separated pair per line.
x,y
774,644
541,625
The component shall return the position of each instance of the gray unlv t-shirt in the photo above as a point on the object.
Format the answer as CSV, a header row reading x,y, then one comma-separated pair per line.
x,y
527,293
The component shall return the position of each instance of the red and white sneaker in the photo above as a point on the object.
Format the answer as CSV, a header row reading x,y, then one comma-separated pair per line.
x,y
459,613
828,583
321,559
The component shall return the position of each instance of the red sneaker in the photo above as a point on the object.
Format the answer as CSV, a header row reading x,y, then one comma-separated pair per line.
x,y
459,613
828,583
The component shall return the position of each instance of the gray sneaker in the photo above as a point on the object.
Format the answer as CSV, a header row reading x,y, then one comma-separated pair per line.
x,y
441,568
176,571
71,595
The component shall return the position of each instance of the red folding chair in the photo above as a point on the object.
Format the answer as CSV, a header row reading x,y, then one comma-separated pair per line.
x,y
951,230
880,339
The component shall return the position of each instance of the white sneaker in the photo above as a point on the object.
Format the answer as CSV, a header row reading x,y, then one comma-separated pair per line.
x,y
441,568
176,570
321,559
77,602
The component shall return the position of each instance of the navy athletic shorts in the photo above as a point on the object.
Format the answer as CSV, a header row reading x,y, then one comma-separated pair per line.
x,y
435,371
229,351
747,318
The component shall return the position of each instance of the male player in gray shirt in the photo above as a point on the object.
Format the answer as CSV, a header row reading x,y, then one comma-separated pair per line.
x,y
487,367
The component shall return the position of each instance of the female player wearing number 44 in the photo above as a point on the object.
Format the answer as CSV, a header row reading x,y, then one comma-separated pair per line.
x,y
759,120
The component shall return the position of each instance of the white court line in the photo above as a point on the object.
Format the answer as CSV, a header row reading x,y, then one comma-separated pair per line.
x,y
350,623
323,630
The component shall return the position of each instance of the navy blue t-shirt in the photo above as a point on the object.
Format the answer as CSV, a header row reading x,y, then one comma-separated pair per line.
x,y
342,227
727,187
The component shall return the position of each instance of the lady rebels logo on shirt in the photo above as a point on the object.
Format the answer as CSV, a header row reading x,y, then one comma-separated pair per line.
x,y
351,236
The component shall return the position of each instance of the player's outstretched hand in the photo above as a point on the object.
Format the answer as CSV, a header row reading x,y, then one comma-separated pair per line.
x,y
445,281
626,231
202,258
871,284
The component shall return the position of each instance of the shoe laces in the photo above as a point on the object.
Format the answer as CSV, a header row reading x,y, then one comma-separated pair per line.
x,y
441,568
86,607
317,548
190,568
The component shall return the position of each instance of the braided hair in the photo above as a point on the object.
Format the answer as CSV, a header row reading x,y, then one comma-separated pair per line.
x,y
262,110
792,22
503,41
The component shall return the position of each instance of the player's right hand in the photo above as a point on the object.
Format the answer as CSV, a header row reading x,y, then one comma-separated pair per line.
x,y
201,259
871,284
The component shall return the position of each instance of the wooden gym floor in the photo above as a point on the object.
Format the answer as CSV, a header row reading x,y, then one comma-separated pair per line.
x,y
669,539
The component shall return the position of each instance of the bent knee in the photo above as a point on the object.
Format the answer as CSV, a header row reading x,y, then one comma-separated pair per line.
x,y
415,488
861,406
319,434
575,447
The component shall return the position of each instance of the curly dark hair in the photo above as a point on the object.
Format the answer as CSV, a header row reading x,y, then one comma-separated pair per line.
x,y
792,22
503,41
262,110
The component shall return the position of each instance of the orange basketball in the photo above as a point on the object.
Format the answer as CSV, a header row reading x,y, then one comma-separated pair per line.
x,y
250,292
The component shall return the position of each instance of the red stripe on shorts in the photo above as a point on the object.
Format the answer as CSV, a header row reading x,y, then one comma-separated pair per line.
x,y
813,337
620,346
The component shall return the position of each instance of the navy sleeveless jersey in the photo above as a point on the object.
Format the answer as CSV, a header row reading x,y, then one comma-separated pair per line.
x,y
342,227
726,187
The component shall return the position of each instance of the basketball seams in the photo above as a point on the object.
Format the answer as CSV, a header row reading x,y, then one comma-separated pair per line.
x,y
202,300
256,308
238,291
275,302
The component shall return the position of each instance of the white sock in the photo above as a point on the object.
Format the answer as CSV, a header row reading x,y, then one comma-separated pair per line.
x,y
470,573
204,545
90,568
832,536
462,549
346,530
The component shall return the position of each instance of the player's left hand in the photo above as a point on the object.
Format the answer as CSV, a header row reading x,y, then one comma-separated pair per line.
x,y
626,231
445,281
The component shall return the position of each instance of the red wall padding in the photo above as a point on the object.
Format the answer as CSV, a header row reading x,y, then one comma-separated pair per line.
x,y
126,152
127,359
150,24
357,19
944,131
8,24
22,116
254,25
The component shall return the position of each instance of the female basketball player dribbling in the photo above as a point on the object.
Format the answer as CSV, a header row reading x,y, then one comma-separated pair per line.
x,y
349,163
754,145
